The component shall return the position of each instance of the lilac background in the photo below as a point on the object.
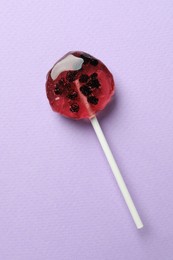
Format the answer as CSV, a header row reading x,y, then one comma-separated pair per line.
x,y
58,197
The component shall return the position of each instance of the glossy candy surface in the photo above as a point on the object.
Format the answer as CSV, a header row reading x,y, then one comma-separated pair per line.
x,y
79,85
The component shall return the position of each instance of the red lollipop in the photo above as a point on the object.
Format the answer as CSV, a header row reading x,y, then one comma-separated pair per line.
x,y
78,86
75,86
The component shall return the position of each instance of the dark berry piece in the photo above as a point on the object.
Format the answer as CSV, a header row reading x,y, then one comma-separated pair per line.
x,y
94,62
86,91
71,75
93,83
83,78
94,75
85,58
93,100
58,90
74,108
72,95
61,82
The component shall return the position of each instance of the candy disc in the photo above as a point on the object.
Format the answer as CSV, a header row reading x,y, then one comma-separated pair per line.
x,y
79,85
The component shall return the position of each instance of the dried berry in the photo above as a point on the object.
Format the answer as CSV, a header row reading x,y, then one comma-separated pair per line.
x,y
83,78
71,75
58,90
92,100
72,95
74,108
93,83
94,62
86,91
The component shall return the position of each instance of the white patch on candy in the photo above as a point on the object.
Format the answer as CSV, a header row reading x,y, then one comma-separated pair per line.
x,y
70,62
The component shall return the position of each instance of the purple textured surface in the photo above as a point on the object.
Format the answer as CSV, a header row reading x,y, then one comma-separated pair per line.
x,y
58,197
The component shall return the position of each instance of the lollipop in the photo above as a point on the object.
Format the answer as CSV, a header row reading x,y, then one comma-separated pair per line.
x,y
78,86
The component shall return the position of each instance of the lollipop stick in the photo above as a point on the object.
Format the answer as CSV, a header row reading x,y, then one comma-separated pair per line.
x,y
116,172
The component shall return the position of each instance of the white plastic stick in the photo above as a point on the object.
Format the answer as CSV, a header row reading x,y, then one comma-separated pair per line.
x,y
116,172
